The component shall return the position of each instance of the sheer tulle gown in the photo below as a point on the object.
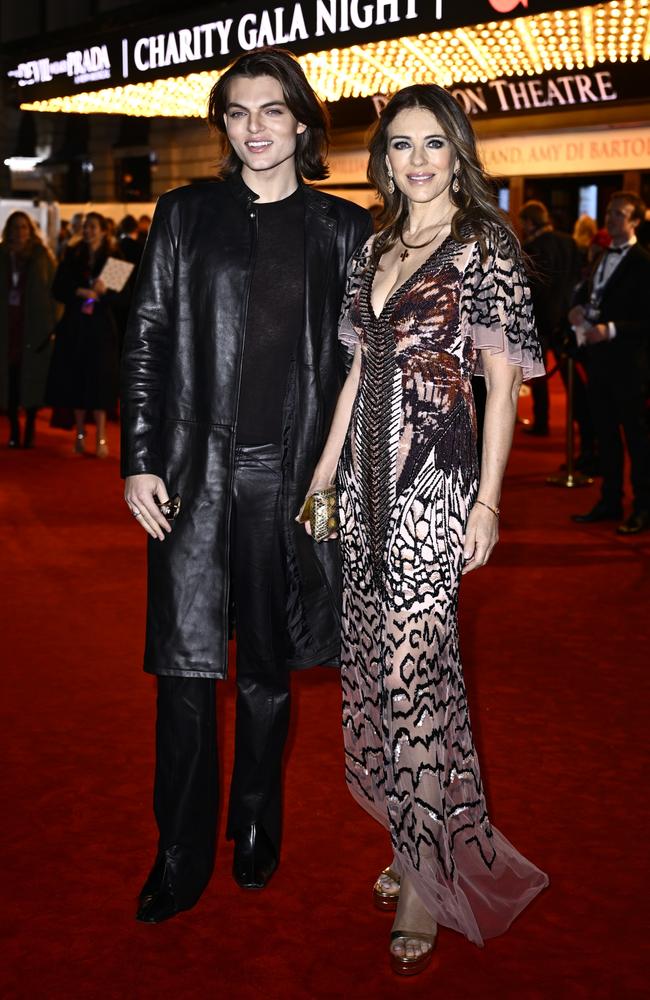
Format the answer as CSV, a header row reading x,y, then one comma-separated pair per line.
x,y
407,482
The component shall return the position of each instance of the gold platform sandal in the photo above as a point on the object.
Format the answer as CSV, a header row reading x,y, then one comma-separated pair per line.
x,y
404,966
382,898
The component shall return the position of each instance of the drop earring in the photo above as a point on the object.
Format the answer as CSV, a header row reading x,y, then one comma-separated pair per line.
x,y
455,184
390,186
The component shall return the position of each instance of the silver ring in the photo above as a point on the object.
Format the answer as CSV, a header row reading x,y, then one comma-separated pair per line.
x,y
136,512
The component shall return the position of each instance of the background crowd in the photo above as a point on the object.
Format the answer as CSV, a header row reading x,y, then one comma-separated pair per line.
x,y
61,328
61,332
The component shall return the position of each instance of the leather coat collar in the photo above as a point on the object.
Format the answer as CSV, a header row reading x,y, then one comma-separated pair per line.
x,y
243,194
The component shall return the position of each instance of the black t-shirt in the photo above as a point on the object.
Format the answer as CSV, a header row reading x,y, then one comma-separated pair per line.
x,y
275,318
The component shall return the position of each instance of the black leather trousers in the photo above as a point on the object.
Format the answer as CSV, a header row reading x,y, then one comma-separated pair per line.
x,y
185,794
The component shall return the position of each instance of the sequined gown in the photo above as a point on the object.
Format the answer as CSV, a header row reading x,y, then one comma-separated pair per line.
x,y
407,482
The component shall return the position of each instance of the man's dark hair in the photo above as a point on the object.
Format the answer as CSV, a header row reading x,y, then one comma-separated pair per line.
x,y
633,199
129,224
311,145
535,212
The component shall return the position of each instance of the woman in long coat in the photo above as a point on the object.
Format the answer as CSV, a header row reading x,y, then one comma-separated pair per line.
x,y
27,318
84,372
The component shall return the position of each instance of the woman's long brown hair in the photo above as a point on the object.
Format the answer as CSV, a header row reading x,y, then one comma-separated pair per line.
x,y
35,238
477,213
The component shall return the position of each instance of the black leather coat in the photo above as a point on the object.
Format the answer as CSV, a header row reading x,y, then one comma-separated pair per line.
x,y
180,393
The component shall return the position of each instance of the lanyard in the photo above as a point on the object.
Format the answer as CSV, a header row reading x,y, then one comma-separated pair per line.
x,y
15,270
14,291
604,273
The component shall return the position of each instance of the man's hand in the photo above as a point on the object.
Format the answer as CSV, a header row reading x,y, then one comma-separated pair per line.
x,y
597,334
139,493
577,316
481,537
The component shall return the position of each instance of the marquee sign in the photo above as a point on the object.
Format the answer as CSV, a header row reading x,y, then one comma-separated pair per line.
x,y
550,91
212,37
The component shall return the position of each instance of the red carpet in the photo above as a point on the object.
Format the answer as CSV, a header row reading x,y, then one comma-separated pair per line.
x,y
555,635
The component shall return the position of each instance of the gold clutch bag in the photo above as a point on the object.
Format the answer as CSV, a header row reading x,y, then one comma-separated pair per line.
x,y
320,509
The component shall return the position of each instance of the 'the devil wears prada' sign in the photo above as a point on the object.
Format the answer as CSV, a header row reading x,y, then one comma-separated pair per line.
x,y
210,38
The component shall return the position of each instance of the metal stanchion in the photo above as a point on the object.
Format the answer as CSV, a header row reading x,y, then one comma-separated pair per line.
x,y
571,478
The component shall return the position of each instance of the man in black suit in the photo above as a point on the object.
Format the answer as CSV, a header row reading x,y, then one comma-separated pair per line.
x,y
553,276
613,320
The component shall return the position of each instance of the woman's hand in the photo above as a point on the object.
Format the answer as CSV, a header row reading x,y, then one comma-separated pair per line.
x,y
86,293
325,472
319,482
99,287
480,538
139,493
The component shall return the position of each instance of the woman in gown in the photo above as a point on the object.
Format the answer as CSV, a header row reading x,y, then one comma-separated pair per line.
x,y
437,296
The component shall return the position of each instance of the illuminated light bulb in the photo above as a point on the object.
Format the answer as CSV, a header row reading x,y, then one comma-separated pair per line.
x,y
524,46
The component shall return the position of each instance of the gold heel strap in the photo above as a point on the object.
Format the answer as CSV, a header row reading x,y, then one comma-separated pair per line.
x,y
429,939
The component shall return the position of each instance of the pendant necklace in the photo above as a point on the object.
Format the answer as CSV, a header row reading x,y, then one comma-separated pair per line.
x,y
417,246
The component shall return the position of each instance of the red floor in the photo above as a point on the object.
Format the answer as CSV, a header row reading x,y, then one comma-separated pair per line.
x,y
555,636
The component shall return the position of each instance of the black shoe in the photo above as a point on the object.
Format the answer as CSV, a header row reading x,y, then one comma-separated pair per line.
x,y
536,430
165,892
160,906
635,523
601,512
254,860
154,880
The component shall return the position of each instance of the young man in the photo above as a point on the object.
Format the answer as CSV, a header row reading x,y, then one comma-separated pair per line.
x,y
230,380
614,319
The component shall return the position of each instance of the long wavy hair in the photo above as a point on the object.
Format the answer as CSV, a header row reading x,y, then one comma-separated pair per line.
x,y
312,145
477,213
35,237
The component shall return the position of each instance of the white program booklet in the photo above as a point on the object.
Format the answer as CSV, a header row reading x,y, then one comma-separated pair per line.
x,y
115,273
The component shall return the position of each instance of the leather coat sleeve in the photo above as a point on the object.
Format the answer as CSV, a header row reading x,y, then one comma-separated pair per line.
x,y
147,347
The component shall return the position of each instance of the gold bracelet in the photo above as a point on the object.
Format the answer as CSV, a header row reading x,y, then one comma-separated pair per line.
x,y
495,510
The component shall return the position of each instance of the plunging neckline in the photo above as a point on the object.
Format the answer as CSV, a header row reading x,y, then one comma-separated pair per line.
x,y
405,283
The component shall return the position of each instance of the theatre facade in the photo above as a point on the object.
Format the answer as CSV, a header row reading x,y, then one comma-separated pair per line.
x,y
559,93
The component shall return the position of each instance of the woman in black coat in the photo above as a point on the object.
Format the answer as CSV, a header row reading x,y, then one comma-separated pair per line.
x,y
27,318
84,371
